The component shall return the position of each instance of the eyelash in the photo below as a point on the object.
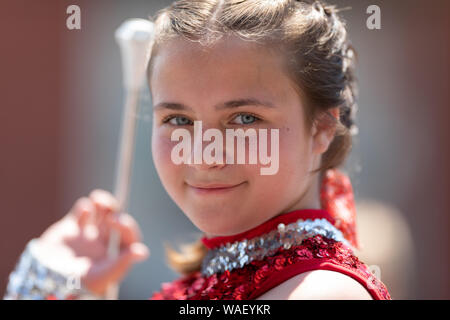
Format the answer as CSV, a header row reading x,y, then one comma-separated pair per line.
x,y
168,118
257,119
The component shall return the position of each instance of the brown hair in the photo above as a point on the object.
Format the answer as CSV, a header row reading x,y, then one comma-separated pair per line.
x,y
320,61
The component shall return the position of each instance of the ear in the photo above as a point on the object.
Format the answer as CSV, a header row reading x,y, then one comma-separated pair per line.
x,y
324,129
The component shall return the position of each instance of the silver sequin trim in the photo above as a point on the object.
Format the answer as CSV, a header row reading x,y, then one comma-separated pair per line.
x,y
32,280
240,253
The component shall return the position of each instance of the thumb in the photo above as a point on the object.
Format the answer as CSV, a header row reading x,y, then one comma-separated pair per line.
x,y
112,270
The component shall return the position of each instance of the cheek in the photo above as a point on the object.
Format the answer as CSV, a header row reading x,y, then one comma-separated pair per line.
x,y
294,163
161,151
295,157
295,149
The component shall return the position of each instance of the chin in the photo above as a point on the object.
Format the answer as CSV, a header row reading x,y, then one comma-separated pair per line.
x,y
217,223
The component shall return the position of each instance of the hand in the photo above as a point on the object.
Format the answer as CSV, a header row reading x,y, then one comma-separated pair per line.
x,y
78,243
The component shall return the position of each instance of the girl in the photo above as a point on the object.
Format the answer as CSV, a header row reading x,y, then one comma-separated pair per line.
x,y
285,65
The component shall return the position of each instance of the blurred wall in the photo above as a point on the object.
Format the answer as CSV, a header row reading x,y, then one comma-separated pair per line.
x,y
30,124
62,105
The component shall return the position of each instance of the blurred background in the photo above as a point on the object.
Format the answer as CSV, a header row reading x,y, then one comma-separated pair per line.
x,y
60,115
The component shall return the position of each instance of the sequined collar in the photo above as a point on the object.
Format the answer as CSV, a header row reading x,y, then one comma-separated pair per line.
x,y
286,230
268,226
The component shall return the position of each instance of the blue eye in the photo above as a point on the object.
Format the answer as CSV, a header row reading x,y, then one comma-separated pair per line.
x,y
247,118
178,121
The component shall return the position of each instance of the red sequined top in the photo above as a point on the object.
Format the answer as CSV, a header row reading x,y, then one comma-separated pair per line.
x,y
256,278
313,253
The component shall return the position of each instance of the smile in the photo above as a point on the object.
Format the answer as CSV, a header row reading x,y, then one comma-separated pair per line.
x,y
214,188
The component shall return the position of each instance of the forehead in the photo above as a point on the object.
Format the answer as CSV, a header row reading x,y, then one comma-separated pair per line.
x,y
185,70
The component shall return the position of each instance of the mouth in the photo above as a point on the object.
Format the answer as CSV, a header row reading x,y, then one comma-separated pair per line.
x,y
214,188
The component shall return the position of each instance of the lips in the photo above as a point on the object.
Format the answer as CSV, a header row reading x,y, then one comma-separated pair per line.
x,y
214,187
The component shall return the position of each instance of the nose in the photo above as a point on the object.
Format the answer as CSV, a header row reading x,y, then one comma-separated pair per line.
x,y
208,154
206,166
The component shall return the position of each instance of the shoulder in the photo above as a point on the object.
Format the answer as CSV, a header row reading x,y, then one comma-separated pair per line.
x,y
318,284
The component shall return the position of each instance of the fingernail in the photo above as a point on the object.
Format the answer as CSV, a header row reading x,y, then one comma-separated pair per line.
x,y
140,251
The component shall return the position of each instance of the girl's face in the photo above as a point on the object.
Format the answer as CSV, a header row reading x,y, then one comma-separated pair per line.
x,y
190,83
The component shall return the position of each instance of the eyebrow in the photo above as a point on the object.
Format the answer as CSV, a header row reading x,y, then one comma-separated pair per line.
x,y
226,105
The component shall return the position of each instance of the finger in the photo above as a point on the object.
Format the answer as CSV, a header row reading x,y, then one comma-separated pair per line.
x,y
83,210
112,270
104,202
128,229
